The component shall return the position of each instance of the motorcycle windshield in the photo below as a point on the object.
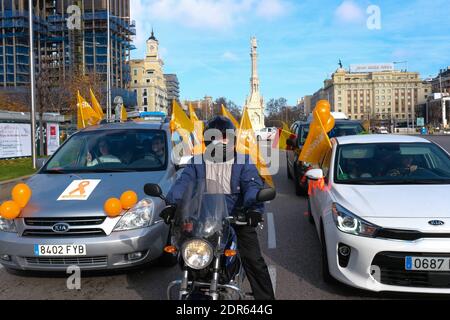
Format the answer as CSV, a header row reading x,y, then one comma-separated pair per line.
x,y
201,212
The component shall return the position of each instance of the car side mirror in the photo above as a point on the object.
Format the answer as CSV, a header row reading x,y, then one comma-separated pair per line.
x,y
153,190
265,195
314,174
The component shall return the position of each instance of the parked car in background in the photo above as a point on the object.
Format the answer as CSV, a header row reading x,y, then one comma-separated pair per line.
x,y
65,224
296,169
266,134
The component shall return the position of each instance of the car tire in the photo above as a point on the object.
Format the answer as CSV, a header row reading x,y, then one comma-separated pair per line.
x,y
289,175
299,190
326,275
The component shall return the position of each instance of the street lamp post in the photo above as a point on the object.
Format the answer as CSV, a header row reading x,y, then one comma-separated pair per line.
x,y
108,62
32,85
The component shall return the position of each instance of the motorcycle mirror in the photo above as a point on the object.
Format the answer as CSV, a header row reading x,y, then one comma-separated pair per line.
x,y
153,190
266,195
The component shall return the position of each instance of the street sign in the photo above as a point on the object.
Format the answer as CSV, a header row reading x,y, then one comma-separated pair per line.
x,y
420,122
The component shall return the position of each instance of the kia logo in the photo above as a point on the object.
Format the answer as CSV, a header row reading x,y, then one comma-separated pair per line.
x,y
436,222
60,227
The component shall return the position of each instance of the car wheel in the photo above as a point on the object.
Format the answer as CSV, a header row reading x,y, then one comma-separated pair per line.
x,y
299,190
326,275
289,175
310,216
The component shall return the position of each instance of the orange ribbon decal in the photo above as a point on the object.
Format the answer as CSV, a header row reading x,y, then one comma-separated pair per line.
x,y
80,188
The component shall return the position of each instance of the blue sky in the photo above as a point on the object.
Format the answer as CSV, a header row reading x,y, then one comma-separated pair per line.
x,y
207,42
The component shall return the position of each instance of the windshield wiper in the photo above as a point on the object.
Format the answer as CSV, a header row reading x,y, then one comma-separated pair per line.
x,y
55,171
107,170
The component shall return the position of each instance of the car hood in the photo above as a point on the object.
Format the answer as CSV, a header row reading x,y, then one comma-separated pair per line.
x,y
47,188
405,201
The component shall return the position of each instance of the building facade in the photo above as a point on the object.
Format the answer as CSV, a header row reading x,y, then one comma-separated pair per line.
x,y
384,95
148,81
173,87
64,44
441,83
255,101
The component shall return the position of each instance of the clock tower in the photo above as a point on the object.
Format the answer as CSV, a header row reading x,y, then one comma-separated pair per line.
x,y
152,47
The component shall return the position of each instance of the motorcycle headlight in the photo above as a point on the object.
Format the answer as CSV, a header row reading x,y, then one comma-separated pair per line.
x,y
140,216
350,223
197,254
7,225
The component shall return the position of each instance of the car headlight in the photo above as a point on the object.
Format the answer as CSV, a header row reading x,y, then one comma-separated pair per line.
x,y
7,225
350,223
197,254
140,216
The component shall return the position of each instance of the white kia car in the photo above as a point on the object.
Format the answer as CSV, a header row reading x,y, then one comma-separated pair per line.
x,y
383,213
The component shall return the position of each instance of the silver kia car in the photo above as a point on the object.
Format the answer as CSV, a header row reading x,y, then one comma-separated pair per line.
x,y
65,223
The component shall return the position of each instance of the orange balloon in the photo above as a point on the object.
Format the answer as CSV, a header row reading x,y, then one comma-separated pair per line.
x,y
113,207
9,210
21,194
128,199
324,112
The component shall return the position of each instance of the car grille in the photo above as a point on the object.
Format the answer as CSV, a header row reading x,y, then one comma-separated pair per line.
x,y
71,233
78,227
74,222
79,261
392,271
409,235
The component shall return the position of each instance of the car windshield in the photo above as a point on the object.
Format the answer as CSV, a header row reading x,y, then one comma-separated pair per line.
x,y
392,163
339,130
111,151
201,212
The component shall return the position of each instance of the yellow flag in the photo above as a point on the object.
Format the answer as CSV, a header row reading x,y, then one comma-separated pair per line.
x,y
183,125
247,144
317,143
123,114
282,136
228,114
86,115
179,119
199,144
192,114
96,105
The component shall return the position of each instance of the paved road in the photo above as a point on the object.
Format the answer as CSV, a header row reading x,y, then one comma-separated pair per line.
x,y
289,243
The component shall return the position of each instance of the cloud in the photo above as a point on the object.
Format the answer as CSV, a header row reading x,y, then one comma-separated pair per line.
x,y
229,56
218,15
271,9
349,12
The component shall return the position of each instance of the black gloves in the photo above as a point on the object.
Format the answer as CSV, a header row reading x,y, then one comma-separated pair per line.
x,y
254,218
168,213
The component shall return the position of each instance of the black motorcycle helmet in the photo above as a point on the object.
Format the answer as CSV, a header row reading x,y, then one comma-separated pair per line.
x,y
223,125
220,123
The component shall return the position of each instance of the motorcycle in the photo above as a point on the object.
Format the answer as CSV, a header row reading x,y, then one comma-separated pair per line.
x,y
203,235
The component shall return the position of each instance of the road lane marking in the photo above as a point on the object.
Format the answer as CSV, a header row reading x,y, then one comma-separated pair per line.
x,y
272,238
273,277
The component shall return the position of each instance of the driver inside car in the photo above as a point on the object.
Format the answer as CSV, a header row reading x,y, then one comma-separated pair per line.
x,y
105,155
240,182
